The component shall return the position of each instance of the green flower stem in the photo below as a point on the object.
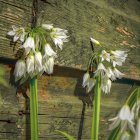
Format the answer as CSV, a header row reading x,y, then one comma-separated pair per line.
x,y
33,109
96,110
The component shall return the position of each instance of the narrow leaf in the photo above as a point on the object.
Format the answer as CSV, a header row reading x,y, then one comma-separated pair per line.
x,y
69,137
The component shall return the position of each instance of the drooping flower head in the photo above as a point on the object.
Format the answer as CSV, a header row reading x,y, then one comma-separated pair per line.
x,y
105,63
38,55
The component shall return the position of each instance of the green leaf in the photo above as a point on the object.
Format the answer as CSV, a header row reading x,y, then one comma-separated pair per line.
x,y
114,134
69,137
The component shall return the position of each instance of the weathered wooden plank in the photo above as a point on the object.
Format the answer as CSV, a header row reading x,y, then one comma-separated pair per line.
x,y
61,98
12,12
114,23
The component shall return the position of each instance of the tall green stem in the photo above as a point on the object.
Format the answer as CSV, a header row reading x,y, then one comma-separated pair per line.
x,y
33,109
96,111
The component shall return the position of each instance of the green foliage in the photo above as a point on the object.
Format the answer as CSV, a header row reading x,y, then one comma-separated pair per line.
x,y
114,134
68,136
133,101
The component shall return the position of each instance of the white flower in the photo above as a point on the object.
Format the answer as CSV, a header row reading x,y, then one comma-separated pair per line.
x,y
58,42
30,64
137,134
105,56
18,33
118,57
47,26
20,69
125,118
48,65
86,78
116,60
29,44
119,53
101,70
59,36
49,51
110,74
38,62
94,41
105,84
117,73
90,84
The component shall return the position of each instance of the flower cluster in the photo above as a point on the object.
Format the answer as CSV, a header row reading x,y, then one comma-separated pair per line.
x,y
38,54
106,63
128,118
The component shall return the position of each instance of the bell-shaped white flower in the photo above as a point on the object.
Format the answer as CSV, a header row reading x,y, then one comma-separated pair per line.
x,y
90,84
86,78
47,26
20,69
116,60
38,62
105,84
94,41
137,134
118,57
58,42
101,70
49,51
110,74
105,56
29,44
48,65
119,53
17,33
30,63
59,36
117,73
125,118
